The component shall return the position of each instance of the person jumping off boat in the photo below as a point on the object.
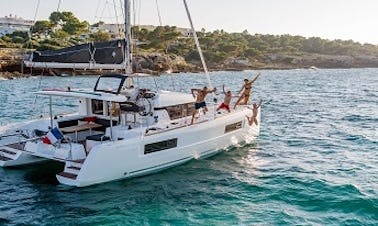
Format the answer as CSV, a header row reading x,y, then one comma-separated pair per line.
x,y
226,102
253,118
200,100
247,87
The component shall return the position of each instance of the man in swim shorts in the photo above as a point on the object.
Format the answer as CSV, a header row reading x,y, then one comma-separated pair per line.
x,y
226,102
200,100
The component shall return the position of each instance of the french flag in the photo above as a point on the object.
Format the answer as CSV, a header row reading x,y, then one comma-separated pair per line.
x,y
52,136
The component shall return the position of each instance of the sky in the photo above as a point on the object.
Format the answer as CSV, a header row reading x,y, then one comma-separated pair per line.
x,y
329,19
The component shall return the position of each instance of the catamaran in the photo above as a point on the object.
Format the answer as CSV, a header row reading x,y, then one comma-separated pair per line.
x,y
121,130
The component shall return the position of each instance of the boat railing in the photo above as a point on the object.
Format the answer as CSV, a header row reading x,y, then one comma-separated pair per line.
x,y
20,133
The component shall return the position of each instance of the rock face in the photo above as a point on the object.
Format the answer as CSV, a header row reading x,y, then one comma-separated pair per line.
x,y
286,61
155,63
10,59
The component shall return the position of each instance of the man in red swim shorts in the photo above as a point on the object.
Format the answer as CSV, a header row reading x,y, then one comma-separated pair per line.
x,y
226,102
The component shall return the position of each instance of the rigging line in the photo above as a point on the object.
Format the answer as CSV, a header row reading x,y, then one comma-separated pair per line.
x,y
30,30
109,11
39,88
103,9
116,16
168,60
122,10
158,12
157,87
200,54
198,45
139,11
134,12
97,8
136,19
60,1
36,11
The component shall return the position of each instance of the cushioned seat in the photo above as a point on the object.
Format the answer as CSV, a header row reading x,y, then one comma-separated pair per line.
x,y
98,137
105,123
94,140
40,133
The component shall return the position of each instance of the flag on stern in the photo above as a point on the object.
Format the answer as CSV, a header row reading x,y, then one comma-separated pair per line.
x,y
52,136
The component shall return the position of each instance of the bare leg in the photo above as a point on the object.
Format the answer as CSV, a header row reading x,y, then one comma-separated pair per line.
x,y
193,115
255,120
237,102
249,120
205,110
245,100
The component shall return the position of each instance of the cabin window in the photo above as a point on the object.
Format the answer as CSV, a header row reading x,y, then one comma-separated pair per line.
x,y
97,107
160,146
233,126
179,111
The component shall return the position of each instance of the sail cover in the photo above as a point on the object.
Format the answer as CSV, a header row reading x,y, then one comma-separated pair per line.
x,y
110,52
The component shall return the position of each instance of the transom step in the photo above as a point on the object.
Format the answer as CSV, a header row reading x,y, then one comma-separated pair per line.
x,y
74,167
8,151
68,175
3,158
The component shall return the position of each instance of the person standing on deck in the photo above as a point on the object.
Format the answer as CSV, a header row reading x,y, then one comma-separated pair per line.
x,y
247,88
253,118
226,102
200,100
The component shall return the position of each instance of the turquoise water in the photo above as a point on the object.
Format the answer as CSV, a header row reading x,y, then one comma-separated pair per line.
x,y
315,162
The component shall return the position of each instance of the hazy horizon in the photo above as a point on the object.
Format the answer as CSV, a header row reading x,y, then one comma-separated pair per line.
x,y
337,19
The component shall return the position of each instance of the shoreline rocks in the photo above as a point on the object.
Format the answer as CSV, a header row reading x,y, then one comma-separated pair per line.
x,y
155,63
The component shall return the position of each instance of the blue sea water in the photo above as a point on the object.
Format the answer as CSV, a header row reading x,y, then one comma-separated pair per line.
x,y
315,162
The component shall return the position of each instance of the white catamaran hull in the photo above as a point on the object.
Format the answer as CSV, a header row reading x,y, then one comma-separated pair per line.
x,y
127,158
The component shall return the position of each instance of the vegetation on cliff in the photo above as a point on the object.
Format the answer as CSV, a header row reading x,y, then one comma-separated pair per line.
x,y
222,50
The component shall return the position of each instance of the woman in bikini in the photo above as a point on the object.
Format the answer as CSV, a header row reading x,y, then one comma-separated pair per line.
x,y
247,88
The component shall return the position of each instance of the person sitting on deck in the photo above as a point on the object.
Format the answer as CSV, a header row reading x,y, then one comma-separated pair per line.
x,y
226,102
253,118
200,100
247,87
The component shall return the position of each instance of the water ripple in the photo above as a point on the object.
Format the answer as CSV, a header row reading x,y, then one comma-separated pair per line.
x,y
315,162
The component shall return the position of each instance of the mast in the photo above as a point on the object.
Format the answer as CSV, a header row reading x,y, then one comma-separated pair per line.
x,y
128,60
198,46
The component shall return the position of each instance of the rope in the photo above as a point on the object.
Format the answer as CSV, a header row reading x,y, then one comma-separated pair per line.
x,y
168,60
58,6
116,17
39,88
30,31
97,8
158,11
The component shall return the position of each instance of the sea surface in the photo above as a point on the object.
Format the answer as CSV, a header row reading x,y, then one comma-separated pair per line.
x,y
315,162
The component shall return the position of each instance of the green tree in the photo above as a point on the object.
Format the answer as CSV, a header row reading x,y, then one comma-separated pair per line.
x,y
100,36
41,26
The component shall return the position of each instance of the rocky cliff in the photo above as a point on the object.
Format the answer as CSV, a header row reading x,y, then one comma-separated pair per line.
x,y
10,63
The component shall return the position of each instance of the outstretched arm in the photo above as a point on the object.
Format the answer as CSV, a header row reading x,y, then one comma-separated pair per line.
x,y
259,103
212,91
192,90
241,88
253,80
223,89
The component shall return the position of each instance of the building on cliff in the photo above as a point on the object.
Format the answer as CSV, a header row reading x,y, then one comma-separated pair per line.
x,y
12,23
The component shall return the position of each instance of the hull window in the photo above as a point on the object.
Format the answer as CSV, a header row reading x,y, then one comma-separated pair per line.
x,y
159,146
233,126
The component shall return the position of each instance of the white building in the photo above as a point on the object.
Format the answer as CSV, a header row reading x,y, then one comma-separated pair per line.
x,y
112,29
10,24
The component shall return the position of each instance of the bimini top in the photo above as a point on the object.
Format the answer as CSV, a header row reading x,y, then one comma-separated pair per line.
x,y
83,94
